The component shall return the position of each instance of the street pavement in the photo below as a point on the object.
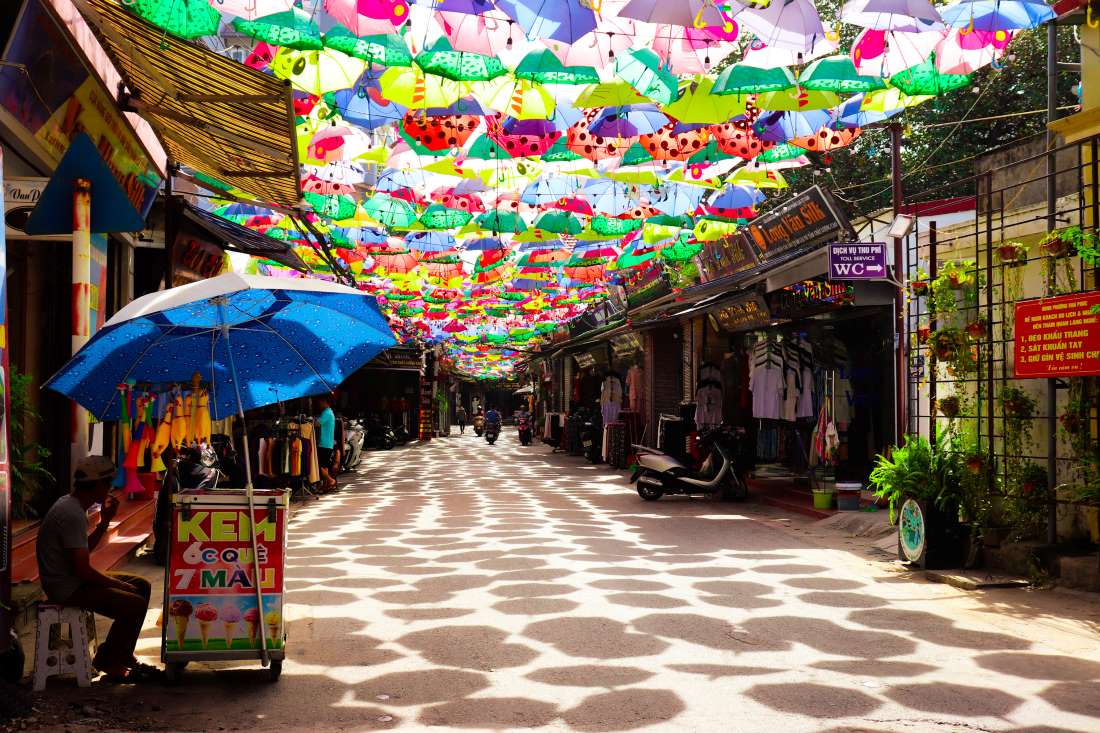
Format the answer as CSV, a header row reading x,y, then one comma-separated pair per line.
x,y
465,586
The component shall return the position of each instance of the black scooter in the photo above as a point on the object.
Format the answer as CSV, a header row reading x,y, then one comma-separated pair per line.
x,y
721,475
379,435
492,432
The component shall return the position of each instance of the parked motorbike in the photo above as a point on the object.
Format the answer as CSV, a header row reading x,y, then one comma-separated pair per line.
x,y
479,425
401,434
492,432
379,435
523,427
721,474
354,438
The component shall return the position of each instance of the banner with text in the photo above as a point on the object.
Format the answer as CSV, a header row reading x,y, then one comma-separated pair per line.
x,y
1058,337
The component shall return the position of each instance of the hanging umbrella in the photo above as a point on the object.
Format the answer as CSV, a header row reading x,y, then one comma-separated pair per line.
x,y
337,143
734,202
252,9
293,29
439,132
744,79
924,79
566,21
559,152
827,139
738,140
382,49
559,222
414,89
365,106
790,24
852,114
317,72
490,33
964,53
690,50
369,17
674,141
430,241
996,15
522,138
698,104
540,65
641,68
883,53
576,204
441,59
911,16
676,200
483,244
546,189
518,98
628,121
779,127
398,262
684,13
438,216
799,99
837,74
392,212
184,18
762,55
502,221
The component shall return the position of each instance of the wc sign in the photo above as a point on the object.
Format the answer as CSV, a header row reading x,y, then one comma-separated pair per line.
x,y
857,261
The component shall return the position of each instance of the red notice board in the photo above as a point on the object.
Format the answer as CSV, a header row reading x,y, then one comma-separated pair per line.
x,y
1058,337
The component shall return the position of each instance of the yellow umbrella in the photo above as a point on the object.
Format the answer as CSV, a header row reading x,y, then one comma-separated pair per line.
x,y
677,176
446,166
518,98
796,100
759,177
640,176
891,98
411,87
317,72
697,104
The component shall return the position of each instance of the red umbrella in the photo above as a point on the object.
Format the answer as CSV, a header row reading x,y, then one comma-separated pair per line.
x,y
580,139
314,184
667,144
827,139
639,212
462,201
442,132
402,262
573,204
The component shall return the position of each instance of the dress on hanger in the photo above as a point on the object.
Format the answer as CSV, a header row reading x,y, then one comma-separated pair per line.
x,y
611,398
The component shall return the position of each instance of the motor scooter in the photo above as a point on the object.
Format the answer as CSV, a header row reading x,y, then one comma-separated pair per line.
x,y
721,474
492,432
379,435
523,427
354,437
479,425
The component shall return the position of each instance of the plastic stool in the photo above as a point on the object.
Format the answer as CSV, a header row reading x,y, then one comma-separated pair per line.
x,y
67,657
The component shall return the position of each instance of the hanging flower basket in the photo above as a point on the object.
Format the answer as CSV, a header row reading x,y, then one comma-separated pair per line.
x,y
918,288
1012,253
1017,404
949,406
1055,245
975,463
944,345
923,334
977,330
1071,422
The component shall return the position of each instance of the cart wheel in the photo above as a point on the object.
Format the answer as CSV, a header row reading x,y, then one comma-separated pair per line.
x,y
173,672
275,669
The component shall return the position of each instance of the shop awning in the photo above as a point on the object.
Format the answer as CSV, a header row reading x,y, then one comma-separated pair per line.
x,y
212,114
237,238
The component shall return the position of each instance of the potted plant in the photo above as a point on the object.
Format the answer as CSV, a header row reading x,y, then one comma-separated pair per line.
x,y
924,331
977,329
950,346
918,284
1017,404
958,273
1012,253
949,406
1059,243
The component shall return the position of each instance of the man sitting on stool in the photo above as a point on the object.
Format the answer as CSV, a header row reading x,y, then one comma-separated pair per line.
x,y
68,578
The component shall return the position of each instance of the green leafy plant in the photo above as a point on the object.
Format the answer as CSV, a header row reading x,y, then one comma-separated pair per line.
x,y
922,469
1027,500
951,346
1058,246
918,283
1012,253
949,406
28,470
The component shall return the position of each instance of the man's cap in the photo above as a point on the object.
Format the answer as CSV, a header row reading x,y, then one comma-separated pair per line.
x,y
93,468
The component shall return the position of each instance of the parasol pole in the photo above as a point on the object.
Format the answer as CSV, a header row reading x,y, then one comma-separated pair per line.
x,y
220,301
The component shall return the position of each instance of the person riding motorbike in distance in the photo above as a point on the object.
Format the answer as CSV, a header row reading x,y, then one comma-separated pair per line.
x,y
492,416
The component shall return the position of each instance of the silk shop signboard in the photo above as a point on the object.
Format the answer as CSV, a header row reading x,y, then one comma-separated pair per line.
x,y
1058,337
723,257
743,313
648,286
809,219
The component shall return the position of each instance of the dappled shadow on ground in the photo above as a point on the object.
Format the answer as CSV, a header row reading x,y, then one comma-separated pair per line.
x,y
467,587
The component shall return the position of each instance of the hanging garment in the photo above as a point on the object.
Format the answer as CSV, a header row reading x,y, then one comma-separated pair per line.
x,y
767,382
790,394
708,405
611,398
635,388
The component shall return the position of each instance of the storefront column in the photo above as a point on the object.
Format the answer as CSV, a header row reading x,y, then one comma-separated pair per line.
x,y
81,302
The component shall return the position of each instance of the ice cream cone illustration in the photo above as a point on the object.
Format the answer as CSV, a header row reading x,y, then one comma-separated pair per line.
x,y
252,618
180,612
273,620
205,614
231,617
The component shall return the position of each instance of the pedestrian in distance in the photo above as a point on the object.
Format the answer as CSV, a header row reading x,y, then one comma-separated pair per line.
x,y
460,418
68,578
326,441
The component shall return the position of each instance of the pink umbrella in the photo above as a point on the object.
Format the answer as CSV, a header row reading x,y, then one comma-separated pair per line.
x,y
338,142
369,17
489,33
965,53
885,53
252,9
691,51
314,184
614,35
573,204
763,56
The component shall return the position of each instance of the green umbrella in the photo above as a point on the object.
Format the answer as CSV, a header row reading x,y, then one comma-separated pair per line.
x,y
544,67
384,49
483,148
559,153
636,155
502,221
709,153
837,74
332,206
390,211
699,103
610,225
745,79
667,220
441,59
291,29
184,18
782,151
629,259
610,94
923,79
641,69
559,222
681,251
438,216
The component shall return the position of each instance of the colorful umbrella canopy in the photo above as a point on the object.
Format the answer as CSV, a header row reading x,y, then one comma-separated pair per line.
x,y
542,66
382,49
910,16
291,29
184,18
441,59
566,21
989,16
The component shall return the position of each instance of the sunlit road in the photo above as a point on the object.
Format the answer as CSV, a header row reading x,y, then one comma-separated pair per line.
x,y
469,586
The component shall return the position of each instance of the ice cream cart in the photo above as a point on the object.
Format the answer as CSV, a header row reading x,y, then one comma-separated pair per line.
x,y
214,607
